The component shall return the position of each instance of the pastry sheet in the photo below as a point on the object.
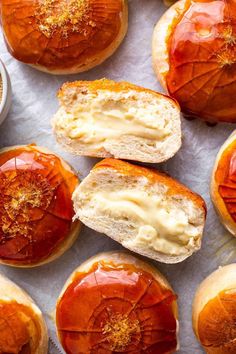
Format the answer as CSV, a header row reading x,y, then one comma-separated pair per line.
x,y
34,103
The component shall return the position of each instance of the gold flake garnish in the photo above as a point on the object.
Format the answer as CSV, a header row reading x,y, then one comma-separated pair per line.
x,y
228,36
119,331
226,58
65,15
20,194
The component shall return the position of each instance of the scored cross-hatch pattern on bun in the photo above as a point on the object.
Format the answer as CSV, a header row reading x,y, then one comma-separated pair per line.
x,y
214,311
36,209
22,326
63,36
117,303
194,57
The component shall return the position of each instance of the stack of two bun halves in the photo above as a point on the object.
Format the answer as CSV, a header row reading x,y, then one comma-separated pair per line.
x,y
146,211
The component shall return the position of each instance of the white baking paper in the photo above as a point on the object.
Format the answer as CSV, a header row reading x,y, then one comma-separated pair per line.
x,y
34,102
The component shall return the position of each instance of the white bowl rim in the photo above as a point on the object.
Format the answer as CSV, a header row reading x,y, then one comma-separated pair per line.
x,y
4,78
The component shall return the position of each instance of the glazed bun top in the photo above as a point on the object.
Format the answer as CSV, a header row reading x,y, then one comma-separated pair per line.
x,y
115,303
214,311
36,209
223,183
63,36
201,73
23,329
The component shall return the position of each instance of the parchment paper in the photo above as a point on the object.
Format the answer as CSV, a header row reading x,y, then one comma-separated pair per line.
x,y
34,102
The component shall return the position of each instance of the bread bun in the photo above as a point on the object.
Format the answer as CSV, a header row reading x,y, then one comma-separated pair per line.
x,y
223,184
23,329
36,210
114,303
194,57
214,311
144,210
104,118
63,36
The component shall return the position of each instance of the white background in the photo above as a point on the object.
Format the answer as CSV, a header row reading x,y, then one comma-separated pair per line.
x,y
34,102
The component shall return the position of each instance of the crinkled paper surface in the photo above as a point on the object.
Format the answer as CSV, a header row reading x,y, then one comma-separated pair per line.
x,y
34,102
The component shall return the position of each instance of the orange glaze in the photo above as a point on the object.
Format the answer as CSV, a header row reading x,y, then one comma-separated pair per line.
x,y
116,309
225,177
35,209
217,324
19,328
202,59
60,34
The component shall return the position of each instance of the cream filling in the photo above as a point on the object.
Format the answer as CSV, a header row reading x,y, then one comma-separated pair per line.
x,y
161,225
106,116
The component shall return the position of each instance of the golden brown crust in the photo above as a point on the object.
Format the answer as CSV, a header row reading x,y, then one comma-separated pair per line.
x,y
110,85
214,311
193,50
17,250
61,36
154,176
23,326
223,185
115,261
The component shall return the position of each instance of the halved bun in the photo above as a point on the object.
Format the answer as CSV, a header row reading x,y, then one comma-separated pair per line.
x,y
144,210
223,184
109,300
214,311
22,325
104,118
64,37
34,184
193,52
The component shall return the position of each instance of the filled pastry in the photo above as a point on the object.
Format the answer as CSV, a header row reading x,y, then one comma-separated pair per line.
x,y
22,327
116,303
104,118
223,183
63,36
36,210
144,210
214,311
194,56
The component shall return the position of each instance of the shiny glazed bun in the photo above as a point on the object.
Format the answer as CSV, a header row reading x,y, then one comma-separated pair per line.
x,y
194,56
116,303
36,210
214,311
63,36
223,184
22,327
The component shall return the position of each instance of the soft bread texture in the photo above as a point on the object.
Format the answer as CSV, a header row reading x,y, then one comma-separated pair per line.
x,y
144,210
104,118
80,36
217,200
9,291
121,258
223,279
160,38
76,227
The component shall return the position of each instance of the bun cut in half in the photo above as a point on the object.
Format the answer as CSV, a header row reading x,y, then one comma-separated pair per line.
x,y
22,327
223,184
194,56
36,209
116,303
144,210
104,118
214,311
63,36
